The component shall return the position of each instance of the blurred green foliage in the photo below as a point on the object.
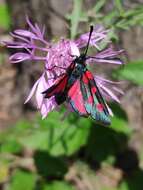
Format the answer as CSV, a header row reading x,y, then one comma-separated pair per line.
x,y
119,18
58,185
38,154
132,72
22,180
55,138
52,142
4,17
76,16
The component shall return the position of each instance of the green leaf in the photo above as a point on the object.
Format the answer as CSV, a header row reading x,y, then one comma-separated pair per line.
x,y
132,71
134,181
98,6
103,143
4,17
118,5
10,145
9,138
14,132
56,136
58,185
120,125
110,18
75,16
22,180
37,140
48,165
131,13
22,125
108,142
123,186
119,121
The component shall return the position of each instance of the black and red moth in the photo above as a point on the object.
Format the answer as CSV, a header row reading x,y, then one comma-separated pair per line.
x,y
78,87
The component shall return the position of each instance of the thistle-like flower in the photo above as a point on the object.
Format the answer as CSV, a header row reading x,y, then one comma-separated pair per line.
x,y
57,57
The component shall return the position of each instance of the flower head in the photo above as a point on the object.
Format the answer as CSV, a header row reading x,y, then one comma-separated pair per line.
x,y
57,57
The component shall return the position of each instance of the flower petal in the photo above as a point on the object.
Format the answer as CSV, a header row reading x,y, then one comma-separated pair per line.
x,y
19,57
109,110
107,88
47,106
111,94
111,61
98,34
42,86
32,91
108,52
74,49
25,33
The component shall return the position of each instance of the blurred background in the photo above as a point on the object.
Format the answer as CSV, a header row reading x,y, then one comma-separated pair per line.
x,y
72,153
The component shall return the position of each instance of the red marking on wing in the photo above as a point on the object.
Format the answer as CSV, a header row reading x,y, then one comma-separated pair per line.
x,y
59,86
90,100
84,78
94,90
100,107
75,96
89,74
88,96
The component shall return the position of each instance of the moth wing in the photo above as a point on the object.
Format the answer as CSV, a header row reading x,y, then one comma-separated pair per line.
x,y
75,99
58,87
93,100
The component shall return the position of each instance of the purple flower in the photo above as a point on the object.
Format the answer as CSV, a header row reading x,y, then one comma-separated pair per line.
x,y
108,88
98,35
43,104
108,55
57,57
19,57
32,41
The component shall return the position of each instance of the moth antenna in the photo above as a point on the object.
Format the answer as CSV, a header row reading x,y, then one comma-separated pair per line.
x,y
87,46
